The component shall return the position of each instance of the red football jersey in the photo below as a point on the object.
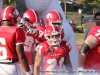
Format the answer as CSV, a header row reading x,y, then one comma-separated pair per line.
x,y
53,58
93,55
40,36
29,46
62,34
10,36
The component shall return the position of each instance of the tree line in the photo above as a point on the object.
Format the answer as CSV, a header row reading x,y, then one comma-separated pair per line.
x,y
86,3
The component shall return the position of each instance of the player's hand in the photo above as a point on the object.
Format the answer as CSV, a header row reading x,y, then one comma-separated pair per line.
x,y
28,73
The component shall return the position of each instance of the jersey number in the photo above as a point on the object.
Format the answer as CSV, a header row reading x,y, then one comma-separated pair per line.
x,y
98,33
53,64
40,33
28,44
39,48
3,51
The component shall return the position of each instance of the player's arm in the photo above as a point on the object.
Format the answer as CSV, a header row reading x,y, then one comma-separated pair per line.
x,y
22,58
38,59
68,64
89,43
20,38
33,53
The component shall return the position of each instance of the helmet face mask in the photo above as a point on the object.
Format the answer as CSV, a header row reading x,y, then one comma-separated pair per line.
x,y
32,28
54,23
58,24
54,40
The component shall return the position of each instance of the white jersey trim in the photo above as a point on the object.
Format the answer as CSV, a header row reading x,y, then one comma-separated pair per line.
x,y
19,43
6,60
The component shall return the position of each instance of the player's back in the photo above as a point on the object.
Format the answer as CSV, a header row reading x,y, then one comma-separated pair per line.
x,y
8,38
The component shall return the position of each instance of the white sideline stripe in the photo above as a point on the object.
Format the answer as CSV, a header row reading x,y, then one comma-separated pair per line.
x,y
5,60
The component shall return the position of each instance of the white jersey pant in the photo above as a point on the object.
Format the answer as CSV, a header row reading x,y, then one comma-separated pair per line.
x,y
10,69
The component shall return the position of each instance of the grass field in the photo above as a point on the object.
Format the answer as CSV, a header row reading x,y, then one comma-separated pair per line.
x,y
79,37
75,16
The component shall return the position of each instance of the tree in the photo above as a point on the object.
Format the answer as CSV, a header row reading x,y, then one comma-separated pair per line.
x,y
89,5
9,2
98,1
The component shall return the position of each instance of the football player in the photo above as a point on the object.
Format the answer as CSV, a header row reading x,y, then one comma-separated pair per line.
x,y
30,23
11,44
52,55
89,56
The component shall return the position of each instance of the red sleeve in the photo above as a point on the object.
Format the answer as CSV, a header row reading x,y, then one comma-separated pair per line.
x,y
66,45
62,34
95,31
41,48
20,35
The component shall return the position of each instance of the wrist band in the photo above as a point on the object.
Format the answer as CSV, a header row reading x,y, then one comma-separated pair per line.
x,y
28,73
80,69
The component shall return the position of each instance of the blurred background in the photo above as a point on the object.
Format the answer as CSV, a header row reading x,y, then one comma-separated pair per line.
x,y
79,14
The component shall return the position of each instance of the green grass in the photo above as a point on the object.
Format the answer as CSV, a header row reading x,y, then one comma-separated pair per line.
x,y
75,16
79,37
